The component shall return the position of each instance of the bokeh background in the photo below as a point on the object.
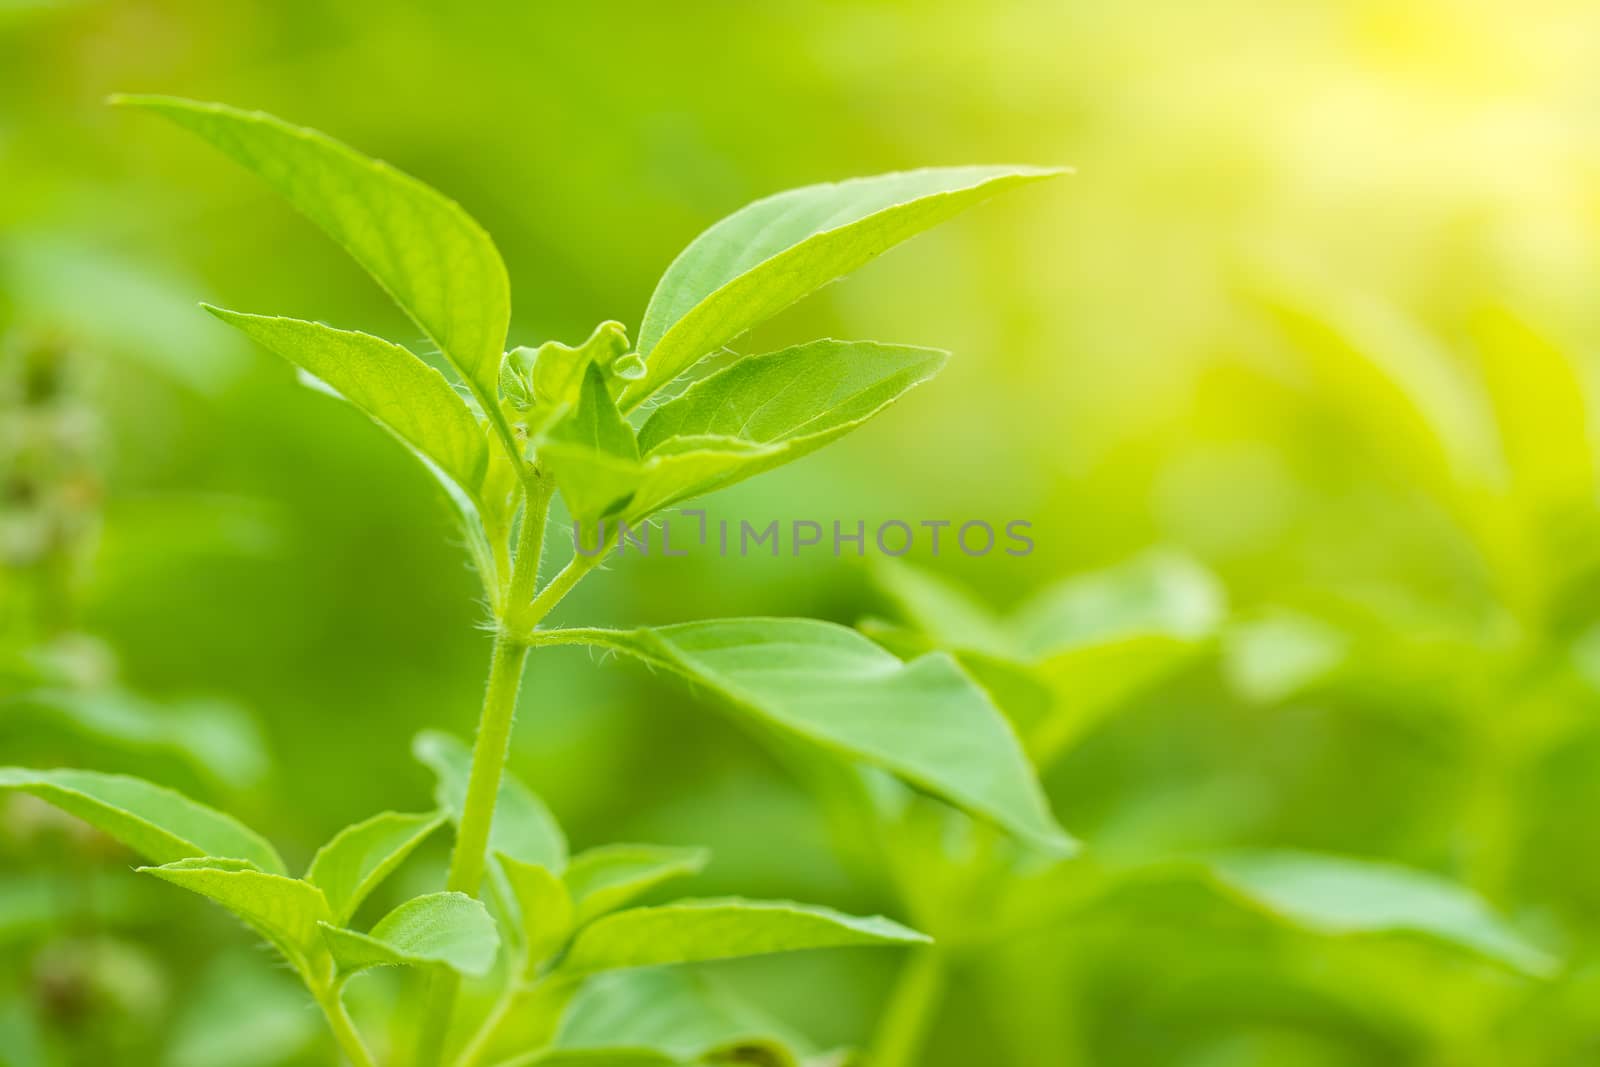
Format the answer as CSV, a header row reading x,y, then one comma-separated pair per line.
x,y
1317,310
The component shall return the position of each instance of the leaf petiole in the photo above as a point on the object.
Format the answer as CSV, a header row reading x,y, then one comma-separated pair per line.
x,y
330,1000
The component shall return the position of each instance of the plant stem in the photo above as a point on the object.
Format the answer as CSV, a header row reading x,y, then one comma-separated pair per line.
x,y
477,817
559,587
489,1029
488,763
530,547
911,1009
344,1030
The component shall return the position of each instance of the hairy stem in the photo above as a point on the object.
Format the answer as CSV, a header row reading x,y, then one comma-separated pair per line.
x,y
530,547
489,752
477,817
559,587
911,1009
344,1030
488,764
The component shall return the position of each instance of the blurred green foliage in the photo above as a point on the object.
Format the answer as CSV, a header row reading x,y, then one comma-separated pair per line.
x,y
1317,312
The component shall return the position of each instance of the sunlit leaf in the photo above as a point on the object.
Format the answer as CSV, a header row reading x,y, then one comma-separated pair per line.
x,y
450,929
396,389
427,253
157,823
694,930
764,257
285,911
605,878
790,402
1339,895
360,857
1537,395
924,720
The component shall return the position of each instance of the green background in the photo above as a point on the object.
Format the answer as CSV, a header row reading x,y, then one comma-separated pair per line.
x,y
1251,328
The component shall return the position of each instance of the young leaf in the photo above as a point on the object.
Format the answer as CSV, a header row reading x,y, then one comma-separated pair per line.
x,y
685,467
549,377
360,857
604,879
396,389
439,265
158,824
692,931
523,827
1337,895
545,907
794,401
285,911
592,452
440,928
924,720
764,257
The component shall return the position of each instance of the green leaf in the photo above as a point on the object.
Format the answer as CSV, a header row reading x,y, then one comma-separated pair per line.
x,y
764,257
439,265
604,879
1276,657
214,738
523,827
925,720
691,931
678,1013
360,857
792,401
686,467
283,910
1537,394
544,906
157,823
592,452
1158,594
391,385
439,928
948,614
1089,643
535,380
1337,895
